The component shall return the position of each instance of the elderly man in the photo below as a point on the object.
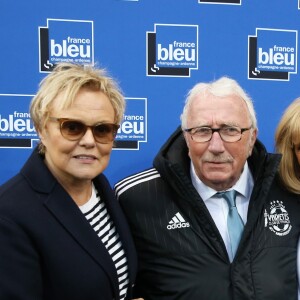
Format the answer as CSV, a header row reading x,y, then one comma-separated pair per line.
x,y
211,220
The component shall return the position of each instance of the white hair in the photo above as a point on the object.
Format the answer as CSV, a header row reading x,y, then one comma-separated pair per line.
x,y
221,88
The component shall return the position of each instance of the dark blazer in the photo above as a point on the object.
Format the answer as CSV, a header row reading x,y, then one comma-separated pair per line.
x,y
48,250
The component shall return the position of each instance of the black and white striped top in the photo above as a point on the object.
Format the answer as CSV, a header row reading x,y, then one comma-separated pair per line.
x,y
97,215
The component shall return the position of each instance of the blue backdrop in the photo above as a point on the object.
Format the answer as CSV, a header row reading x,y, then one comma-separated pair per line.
x,y
157,50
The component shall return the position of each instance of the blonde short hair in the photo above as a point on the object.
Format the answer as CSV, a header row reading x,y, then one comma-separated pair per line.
x,y
287,135
69,79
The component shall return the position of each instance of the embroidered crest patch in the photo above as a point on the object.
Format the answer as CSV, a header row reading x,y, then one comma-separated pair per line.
x,y
278,219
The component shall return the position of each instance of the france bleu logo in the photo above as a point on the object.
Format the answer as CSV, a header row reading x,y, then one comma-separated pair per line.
x,y
272,54
172,50
66,41
133,128
16,127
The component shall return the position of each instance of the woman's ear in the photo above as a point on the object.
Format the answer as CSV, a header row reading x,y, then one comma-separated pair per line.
x,y
40,134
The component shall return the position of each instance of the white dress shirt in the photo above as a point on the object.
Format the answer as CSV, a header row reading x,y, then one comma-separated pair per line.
x,y
218,207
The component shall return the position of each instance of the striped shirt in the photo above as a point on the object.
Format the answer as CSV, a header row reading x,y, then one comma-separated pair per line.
x,y
97,215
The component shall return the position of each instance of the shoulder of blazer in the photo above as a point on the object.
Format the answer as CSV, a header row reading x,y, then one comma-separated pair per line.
x,y
37,174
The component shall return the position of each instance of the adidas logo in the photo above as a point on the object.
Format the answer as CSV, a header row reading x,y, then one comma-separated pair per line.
x,y
178,222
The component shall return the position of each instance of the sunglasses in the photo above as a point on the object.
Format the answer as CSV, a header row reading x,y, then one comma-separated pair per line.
x,y
74,130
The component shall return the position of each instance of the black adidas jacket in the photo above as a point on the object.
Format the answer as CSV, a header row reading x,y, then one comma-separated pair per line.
x,y
181,253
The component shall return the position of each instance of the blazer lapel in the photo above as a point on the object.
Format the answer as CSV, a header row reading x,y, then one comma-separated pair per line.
x,y
64,209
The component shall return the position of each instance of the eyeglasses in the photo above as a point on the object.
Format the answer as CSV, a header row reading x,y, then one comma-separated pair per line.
x,y
74,130
229,134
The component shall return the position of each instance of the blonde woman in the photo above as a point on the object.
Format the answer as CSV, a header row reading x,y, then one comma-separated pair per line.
x,y
63,235
287,142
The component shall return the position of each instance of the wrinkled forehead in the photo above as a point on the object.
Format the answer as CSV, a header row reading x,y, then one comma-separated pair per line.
x,y
218,110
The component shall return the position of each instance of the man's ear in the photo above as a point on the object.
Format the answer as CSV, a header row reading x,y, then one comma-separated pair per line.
x,y
185,135
252,140
254,136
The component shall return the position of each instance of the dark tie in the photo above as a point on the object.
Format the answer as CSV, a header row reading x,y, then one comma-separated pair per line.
x,y
235,224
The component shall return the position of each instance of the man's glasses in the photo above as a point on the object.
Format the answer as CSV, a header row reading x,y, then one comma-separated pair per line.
x,y
74,130
229,134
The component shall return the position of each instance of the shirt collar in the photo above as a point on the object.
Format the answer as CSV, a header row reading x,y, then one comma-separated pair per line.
x,y
243,186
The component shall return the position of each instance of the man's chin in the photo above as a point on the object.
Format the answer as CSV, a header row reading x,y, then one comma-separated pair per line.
x,y
219,182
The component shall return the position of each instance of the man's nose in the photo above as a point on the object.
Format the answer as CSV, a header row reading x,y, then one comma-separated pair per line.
x,y
216,143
